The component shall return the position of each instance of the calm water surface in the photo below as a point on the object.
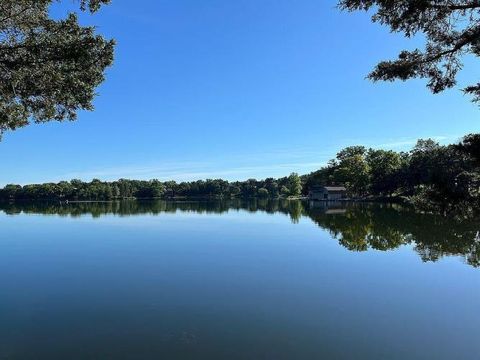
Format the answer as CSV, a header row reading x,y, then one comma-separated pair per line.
x,y
236,280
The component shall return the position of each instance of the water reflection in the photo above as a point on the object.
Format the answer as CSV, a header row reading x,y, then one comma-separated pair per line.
x,y
357,227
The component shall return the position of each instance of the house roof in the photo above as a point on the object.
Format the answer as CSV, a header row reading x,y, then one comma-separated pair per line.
x,y
328,188
335,188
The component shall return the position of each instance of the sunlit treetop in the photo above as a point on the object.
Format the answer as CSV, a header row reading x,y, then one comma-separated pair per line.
x,y
451,29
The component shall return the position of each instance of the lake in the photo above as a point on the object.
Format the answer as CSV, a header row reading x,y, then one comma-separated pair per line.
x,y
236,280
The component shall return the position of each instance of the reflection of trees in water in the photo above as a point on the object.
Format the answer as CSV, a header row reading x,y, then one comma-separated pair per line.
x,y
385,227
357,227
154,207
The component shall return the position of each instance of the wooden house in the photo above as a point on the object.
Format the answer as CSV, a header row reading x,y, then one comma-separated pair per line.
x,y
327,193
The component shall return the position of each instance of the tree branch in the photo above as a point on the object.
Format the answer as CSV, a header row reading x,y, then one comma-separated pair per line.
x,y
11,16
468,6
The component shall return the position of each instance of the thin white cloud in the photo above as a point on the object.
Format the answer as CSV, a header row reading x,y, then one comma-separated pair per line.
x,y
271,163
195,171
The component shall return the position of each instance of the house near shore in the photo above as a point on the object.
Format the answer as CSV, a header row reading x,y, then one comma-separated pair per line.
x,y
327,193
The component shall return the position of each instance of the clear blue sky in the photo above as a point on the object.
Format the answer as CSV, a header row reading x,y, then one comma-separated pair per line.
x,y
236,89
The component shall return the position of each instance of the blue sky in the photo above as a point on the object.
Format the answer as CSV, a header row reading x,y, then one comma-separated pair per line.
x,y
236,89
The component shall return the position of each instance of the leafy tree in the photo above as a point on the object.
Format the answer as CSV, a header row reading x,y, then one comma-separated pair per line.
x,y
352,169
49,69
250,187
470,145
284,191
272,187
294,184
384,167
157,188
351,151
170,188
323,177
234,190
451,29
444,179
263,193
10,191
425,158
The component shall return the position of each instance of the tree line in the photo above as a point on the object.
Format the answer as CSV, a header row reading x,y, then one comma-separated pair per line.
x,y
125,189
432,177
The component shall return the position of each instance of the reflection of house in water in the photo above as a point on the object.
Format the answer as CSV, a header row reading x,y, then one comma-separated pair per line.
x,y
328,207
327,193
335,211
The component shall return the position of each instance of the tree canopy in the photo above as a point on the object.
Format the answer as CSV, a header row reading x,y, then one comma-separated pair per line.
x,y
124,188
49,69
433,177
451,29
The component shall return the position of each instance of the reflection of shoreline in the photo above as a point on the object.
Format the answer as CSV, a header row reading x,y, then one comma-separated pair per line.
x,y
356,226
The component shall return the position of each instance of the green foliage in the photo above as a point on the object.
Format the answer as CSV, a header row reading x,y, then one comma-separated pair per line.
x,y
285,191
272,187
470,146
294,184
444,178
323,176
352,170
451,29
435,178
49,69
385,171
263,193
124,189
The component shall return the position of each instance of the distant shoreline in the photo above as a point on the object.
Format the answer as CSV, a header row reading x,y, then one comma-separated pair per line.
x,y
212,198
